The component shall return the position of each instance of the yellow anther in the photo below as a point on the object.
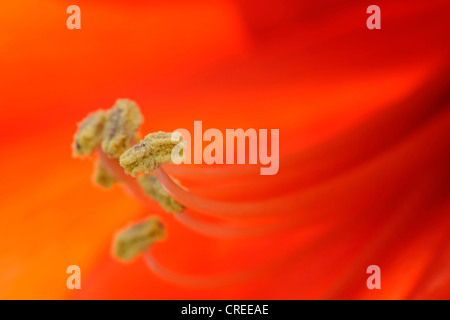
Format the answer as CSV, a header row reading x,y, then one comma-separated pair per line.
x,y
124,119
151,186
89,134
138,238
150,153
102,176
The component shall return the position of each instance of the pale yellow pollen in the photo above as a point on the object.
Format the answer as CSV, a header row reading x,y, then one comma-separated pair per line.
x,y
124,119
150,153
151,186
89,134
138,238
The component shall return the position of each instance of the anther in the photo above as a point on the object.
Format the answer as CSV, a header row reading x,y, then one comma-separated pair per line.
x,y
123,121
138,238
151,186
102,176
89,133
150,153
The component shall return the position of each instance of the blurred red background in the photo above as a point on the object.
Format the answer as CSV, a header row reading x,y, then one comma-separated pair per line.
x,y
364,125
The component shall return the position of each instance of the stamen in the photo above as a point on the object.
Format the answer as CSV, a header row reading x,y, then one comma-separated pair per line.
x,y
124,119
137,188
153,189
89,133
113,133
138,238
149,154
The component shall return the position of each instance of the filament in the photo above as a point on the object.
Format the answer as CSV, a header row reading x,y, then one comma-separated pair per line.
x,y
196,281
222,208
184,218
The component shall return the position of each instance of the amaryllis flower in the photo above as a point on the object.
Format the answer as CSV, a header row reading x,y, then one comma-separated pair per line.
x,y
364,145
